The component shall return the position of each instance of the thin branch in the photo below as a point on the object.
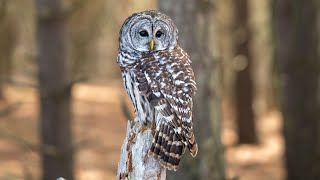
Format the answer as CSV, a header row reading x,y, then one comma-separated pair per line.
x,y
20,142
9,109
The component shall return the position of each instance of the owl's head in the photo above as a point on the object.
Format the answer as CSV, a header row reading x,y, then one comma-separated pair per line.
x,y
148,31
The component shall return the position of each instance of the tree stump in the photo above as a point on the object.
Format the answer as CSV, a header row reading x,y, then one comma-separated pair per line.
x,y
134,160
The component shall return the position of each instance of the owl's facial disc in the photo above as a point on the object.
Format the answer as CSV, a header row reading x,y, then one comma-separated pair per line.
x,y
152,34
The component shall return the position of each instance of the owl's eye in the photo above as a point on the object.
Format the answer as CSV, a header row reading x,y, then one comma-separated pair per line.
x,y
159,34
143,33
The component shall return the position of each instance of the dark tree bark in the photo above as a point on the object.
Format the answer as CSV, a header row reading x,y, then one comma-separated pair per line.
x,y
194,20
7,42
297,51
243,91
55,91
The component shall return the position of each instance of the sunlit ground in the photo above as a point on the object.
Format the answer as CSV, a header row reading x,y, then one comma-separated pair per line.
x,y
99,130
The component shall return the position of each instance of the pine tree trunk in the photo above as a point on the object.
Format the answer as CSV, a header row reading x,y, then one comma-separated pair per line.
x,y
55,91
297,41
7,43
243,80
194,20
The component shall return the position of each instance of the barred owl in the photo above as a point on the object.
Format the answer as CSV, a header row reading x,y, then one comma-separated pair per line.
x,y
160,82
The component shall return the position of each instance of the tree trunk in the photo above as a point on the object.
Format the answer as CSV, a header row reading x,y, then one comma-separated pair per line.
x,y
243,91
55,91
134,160
297,39
194,20
7,42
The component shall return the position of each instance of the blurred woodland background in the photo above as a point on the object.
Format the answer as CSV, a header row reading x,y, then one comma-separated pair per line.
x,y
63,108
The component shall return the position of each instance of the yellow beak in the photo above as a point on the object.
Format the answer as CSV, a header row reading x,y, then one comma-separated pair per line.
x,y
152,44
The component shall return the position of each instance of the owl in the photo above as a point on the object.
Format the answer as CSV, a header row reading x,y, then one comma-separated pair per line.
x,y
159,79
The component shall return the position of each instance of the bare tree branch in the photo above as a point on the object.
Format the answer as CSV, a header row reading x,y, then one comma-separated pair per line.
x,y
9,109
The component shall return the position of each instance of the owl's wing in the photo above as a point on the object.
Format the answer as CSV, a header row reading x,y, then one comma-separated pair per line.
x,y
167,79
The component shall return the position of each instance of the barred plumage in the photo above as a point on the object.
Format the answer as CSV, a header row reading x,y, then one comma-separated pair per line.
x,y
160,83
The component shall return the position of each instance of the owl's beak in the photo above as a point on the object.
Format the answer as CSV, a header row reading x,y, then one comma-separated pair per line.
x,y
151,44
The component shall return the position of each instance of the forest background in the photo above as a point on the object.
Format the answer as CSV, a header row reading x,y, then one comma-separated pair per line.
x,y
64,111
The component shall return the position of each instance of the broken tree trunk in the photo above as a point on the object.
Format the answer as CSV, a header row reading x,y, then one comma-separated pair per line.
x,y
134,160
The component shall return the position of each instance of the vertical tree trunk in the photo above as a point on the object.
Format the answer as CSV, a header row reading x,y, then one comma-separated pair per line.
x,y
7,42
194,20
55,91
262,57
243,80
297,39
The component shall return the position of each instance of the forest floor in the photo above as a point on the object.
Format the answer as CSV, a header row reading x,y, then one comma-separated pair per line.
x,y
99,129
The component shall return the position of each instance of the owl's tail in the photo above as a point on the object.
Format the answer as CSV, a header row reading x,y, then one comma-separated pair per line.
x,y
168,147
